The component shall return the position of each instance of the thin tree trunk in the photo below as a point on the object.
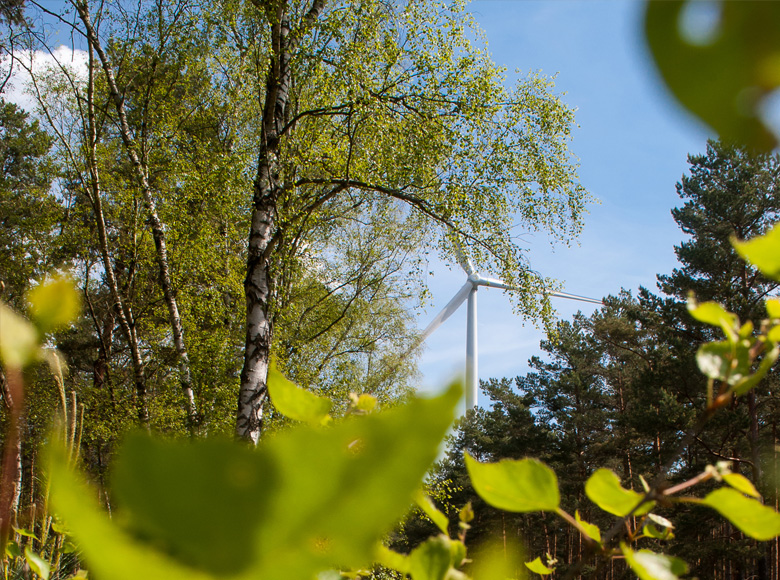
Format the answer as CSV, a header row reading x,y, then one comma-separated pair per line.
x,y
126,320
158,232
13,395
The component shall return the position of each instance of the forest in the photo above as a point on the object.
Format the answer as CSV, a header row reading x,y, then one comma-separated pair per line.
x,y
216,218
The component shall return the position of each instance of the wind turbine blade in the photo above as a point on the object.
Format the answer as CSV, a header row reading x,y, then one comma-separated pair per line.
x,y
447,311
463,259
575,297
493,283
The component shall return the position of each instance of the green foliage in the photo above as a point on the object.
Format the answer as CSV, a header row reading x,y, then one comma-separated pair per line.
x,y
748,514
294,402
724,78
604,489
291,508
538,567
518,486
762,253
737,364
651,566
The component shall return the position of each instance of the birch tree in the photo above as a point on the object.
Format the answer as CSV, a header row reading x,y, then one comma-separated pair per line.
x,y
366,102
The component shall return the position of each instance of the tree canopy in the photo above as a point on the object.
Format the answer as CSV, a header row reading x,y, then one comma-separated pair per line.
x,y
346,139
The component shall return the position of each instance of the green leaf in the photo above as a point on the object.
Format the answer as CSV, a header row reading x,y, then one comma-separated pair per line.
x,y
773,307
714,359
539,568
749,515
713,314
18,339
12,550
466,513
365,402
524,485
727,361
331,479
604,489
591,530
741,483
653,532
438,518
294,402
54,303
392,559
745,384
651,566
37,564
660,520
312,489
25,533
431,560
111,552
193,497
723,81
764,253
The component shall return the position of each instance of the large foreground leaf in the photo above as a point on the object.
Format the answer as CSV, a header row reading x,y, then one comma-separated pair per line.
x,y
309,499
725,80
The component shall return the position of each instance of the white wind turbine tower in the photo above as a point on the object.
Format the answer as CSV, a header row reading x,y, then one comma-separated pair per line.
x,y
469,290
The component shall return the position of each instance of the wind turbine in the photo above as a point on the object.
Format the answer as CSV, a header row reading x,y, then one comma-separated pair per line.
x,y
469,290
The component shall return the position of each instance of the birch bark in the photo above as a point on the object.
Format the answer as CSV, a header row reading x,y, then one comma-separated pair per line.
x,y
258,285
158,231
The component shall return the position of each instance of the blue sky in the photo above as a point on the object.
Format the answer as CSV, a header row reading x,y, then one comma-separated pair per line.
x,y
632,144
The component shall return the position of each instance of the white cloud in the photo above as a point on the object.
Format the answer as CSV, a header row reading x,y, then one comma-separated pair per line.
x,y
60,60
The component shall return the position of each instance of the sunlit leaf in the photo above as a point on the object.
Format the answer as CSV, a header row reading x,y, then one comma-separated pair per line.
x,y
728,362
438,518
653,532
604,489
331,479
431,560
762,252
392,559
591,530
317,488
515,485
54,303
749,515
723,81
466,513
741,483
744,385
37,563
651,566
713,314
660,520
26,533
364,402
294,402
773,307
18,339
538,567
